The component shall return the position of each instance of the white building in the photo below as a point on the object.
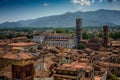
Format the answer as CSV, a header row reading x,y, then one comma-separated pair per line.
x,y
55,39
38,38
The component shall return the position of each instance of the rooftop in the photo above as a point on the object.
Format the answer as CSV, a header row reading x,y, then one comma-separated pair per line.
x,y
18,56
22,44
18,38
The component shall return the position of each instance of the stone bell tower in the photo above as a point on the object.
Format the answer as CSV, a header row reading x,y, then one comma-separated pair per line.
x,y
105,36
78,30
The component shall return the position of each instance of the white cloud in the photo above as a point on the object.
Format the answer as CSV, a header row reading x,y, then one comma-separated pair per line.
x,y
45,4
101,0
89,4
82,2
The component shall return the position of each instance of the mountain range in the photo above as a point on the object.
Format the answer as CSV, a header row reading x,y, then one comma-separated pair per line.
x,y
89,18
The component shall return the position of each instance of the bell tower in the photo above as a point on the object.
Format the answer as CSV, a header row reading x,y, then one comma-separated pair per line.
x,y
105,36
78,31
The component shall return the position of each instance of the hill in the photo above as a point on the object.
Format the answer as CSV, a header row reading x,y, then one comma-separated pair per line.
x,y
90,18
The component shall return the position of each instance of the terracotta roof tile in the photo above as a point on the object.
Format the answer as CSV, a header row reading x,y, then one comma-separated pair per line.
x,y
18,56
22,44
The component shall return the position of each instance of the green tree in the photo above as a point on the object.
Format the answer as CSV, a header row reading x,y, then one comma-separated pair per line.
x,y
85,35
114,77
81,46
67,31
100,35
29,36
60,30
114,35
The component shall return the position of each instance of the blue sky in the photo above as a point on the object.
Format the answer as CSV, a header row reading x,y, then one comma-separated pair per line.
x,y
14,10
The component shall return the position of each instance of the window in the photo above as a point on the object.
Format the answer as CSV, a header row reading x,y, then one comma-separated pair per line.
x,y
112,70
71,73
17,75
87,74
118,68
65,72
67,57
28,73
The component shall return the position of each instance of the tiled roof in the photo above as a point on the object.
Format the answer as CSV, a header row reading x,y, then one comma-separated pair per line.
x,y
107,64
11,56
97,78
16,48
18,56
22,44
18,38
6,71
3,43
42,74
75,66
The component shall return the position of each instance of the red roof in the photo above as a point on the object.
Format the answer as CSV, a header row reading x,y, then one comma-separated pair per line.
x,y
22,44
19,56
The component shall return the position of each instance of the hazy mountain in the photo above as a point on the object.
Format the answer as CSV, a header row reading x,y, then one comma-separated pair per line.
x,y
90,18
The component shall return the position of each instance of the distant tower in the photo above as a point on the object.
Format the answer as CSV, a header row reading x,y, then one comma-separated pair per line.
x,y
23,72
78,30
105,36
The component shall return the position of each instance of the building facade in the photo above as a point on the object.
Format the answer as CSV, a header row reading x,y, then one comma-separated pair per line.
x,y
24,72
61,40
55,39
